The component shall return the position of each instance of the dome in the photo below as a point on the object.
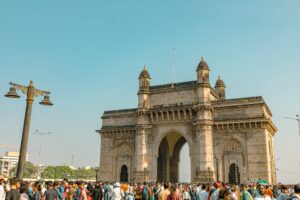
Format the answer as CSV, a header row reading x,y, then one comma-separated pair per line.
x,y
219,83
202,64
144,73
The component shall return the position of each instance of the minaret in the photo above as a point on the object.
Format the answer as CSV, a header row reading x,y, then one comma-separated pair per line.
x,y
220,88
144,84
142,128
204,165
203,89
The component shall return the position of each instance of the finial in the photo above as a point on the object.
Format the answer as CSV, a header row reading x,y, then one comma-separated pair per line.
x,y
202,59
31,83
145,68
219,77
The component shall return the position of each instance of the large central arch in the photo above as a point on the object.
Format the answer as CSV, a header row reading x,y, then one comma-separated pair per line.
x,y
169,145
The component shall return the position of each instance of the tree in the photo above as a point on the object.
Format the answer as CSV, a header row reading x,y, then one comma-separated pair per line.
x,y
30,170
57,172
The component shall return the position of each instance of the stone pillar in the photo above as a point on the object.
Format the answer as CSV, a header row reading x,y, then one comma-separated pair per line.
x,y
220,171
204,161
140,154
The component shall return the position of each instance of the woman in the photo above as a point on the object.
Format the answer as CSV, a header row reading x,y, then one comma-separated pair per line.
x,y
236,193
176,193
186,193
227,195
24,191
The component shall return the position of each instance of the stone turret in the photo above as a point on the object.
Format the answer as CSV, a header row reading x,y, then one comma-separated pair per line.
x,y
203,86
220,88
144,84
142,127
204,163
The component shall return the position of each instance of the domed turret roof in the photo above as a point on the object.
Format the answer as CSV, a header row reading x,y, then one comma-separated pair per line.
x,y
144,73
202,64
220,83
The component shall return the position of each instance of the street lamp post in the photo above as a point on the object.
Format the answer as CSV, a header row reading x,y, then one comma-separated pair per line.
x,y
37,132
297,119
31,92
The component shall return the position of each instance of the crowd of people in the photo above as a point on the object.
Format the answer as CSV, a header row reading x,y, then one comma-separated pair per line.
x,y
80,190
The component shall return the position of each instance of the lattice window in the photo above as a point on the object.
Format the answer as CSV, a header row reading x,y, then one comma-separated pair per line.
x,y
232,146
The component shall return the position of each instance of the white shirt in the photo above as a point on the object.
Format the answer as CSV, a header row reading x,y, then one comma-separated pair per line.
x,y
2,193
203,195
117,194
259,197
215,195
24,196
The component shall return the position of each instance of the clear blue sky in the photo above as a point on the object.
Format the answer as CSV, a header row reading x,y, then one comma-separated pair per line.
x,y
89,55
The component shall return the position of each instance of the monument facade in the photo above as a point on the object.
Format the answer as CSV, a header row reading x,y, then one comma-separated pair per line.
x,y
229,140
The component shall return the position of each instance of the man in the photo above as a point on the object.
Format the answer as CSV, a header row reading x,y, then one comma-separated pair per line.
x,y
158,189
145,191
245,195
117,193
50,193
2,191
163,195
296,195
284,195
215,194
13,193
261,194
204,192
97,193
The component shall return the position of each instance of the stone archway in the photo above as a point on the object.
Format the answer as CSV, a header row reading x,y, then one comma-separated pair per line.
x,y
168,157
234,174
124,174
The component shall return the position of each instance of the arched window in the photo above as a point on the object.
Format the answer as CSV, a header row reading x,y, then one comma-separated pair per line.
x,y
234,174
124,174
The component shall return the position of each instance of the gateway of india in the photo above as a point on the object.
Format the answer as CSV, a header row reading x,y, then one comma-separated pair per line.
x,y
229,140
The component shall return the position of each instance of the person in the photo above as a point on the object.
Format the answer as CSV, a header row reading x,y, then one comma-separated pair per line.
x,y
204,192
276,191
117,193
37,189
245,194
236,193
66,189
2,191
227,195
158,189
284,195
13,193
72,191
82,194
251,190
24,191
50,193
261,193
145,192
186,193
296,194
97,193
163,195
176,193
215,194
269,191
138,192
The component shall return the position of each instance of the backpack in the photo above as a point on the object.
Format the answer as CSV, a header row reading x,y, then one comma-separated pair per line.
x,y
145,194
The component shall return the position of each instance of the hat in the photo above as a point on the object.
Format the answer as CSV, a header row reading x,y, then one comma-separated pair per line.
x,y
117,184
262,182
217,184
